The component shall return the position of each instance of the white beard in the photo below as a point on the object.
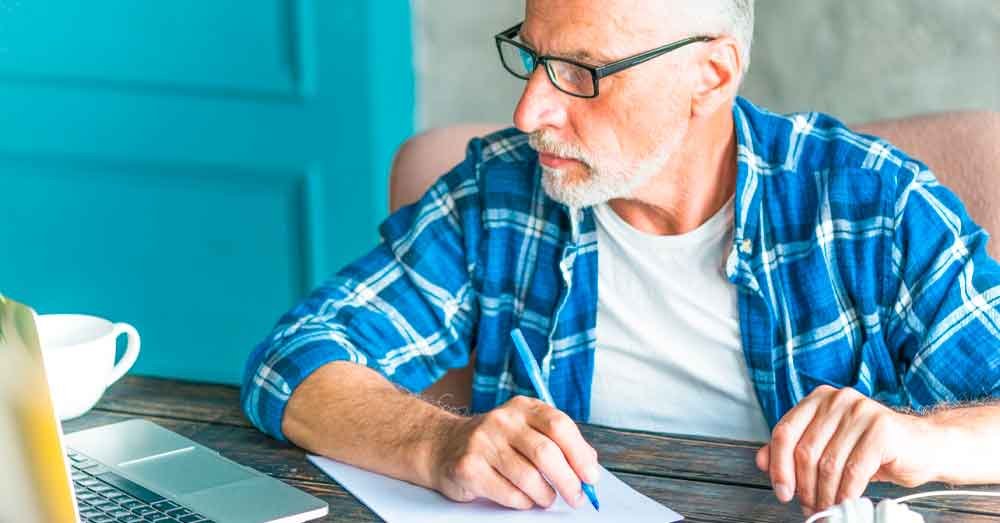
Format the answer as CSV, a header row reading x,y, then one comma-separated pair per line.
x,y
600,183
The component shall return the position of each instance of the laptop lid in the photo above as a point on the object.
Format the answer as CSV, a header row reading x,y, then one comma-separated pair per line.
x,y
36,482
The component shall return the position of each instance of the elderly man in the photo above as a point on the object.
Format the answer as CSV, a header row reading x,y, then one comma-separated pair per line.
x,y
679,260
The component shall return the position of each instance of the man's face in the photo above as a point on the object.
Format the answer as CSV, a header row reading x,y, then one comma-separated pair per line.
x,y
594,150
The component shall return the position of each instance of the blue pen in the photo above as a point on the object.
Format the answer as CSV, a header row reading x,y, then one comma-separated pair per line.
x,y
535,374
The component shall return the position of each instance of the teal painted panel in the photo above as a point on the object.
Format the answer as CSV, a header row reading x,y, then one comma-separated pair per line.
x,y
272,191
197,258
207,47
393,88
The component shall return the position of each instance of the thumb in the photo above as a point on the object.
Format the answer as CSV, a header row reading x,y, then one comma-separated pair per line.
x,y
764,458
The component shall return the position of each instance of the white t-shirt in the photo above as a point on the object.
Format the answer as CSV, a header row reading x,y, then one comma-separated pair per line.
x,y
669,356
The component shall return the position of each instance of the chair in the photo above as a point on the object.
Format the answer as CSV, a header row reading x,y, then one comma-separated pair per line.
x,y
963,149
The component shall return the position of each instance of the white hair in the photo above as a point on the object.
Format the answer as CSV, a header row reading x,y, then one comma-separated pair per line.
x,y
727,17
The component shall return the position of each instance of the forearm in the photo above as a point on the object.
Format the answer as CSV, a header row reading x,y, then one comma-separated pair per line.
x,y
352,414
967,444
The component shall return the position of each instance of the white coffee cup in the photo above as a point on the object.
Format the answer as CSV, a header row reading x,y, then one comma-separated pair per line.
x,y
79,354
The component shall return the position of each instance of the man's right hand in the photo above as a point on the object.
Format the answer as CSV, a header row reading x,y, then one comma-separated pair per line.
x,y
506,455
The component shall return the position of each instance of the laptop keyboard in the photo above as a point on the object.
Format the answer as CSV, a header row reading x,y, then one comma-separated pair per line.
x,y
106,497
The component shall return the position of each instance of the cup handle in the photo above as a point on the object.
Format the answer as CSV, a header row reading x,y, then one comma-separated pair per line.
x,y
131,351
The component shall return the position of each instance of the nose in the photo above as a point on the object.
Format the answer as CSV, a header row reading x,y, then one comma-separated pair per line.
x,y
541,104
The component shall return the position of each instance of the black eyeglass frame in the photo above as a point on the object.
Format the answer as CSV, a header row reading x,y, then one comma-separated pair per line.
x,y
596,71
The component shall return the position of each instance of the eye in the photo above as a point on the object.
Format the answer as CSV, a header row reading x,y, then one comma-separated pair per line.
x,y
573,75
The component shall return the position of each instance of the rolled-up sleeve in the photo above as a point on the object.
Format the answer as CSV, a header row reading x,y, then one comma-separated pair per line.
x,y
407,309
945,315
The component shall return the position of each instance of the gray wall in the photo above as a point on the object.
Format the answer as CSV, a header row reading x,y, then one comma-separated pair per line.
x,y
857,59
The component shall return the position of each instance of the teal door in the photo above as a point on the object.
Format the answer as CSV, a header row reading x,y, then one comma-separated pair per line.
x,y
193,167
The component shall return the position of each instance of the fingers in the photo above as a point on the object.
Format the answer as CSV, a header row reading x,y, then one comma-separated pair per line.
x,y
806,454
501,490
830,446
810,467
562,430
548,458
473,477
763,458
784,439
523,475
525,445
861,467
832,464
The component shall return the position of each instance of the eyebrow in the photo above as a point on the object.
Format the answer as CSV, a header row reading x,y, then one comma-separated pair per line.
x,y
579,54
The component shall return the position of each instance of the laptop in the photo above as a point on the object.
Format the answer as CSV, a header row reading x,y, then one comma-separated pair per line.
x,y
132,471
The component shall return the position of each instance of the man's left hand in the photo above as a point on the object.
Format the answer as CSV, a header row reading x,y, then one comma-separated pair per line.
x,y
834,442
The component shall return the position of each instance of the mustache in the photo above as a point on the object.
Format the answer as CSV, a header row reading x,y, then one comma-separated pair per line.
x,y
547,144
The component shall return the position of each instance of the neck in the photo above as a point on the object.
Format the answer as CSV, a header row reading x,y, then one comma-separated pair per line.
x,y
697,181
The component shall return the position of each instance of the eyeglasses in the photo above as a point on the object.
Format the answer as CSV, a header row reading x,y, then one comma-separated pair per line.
x,y
570,76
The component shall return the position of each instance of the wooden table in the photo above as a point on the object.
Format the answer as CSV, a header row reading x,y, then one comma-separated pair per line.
x,y
705,480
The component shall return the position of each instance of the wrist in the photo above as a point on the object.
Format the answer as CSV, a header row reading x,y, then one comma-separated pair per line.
x,y
429,446
947,447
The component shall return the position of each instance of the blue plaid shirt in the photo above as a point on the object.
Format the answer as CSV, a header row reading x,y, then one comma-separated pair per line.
x,y
855,268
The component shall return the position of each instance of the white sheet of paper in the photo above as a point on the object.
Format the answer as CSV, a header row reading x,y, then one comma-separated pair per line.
x,y
401,502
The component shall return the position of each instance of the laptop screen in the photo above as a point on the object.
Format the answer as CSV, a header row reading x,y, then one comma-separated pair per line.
x,y
35,480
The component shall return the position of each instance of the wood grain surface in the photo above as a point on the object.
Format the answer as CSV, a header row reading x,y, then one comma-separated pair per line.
x,y
705,480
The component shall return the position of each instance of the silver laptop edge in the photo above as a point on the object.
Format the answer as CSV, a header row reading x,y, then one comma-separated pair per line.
x,y
155,463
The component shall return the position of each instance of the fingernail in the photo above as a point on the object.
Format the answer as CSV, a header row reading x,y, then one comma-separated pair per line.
x,y
783,492
593,474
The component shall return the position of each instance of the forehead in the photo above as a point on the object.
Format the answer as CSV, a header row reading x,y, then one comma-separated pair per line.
x,y
598,29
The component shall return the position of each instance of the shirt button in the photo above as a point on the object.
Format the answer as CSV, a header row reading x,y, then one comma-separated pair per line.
x,y
746,246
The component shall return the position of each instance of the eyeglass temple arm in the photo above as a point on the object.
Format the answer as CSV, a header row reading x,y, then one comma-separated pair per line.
x,y
625,63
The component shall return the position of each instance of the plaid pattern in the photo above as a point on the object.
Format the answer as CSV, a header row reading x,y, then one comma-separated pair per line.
x,y
854,268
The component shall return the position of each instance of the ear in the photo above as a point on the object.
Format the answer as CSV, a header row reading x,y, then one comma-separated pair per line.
x,y
718,76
